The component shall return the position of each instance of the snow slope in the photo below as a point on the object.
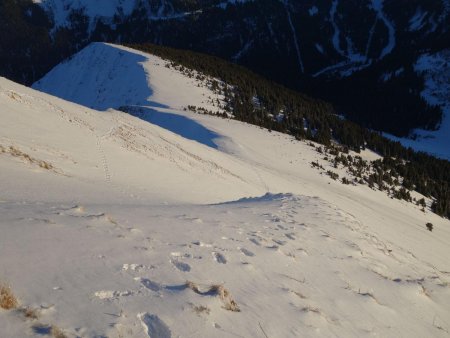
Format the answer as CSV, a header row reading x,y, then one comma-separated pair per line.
x,y
105,217
122,77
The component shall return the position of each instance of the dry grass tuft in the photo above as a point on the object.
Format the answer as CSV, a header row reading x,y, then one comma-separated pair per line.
x,y
226,298
200,309
56,332
193,287
13,151
29,313
216,290
7,299
424,291
45,165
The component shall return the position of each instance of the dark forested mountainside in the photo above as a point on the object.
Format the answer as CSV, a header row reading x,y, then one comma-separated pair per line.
x,y
359,56
253,99
28,48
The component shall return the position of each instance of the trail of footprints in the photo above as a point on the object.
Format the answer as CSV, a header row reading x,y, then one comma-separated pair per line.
x,y
271,238
247,240
278,233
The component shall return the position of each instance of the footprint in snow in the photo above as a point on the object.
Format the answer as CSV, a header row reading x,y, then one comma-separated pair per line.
x,y
219,258
290,236
180,265
272,247
246,252
151,285
154,326
279,242
255,241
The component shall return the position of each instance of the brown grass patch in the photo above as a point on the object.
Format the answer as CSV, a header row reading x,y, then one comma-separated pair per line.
x,y
200,309
15,152
7,299
56,332
30,313
216,290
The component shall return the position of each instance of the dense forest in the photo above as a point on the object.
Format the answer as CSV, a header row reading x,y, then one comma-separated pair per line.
x,y
27,49
253,99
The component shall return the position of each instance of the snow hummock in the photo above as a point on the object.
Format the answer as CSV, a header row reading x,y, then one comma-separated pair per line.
x,y
105,217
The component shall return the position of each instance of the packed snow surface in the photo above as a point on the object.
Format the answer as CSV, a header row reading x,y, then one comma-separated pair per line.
x,y
114,226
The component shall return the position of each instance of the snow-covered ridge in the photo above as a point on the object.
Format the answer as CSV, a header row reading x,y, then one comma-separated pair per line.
x,y
106,76
133,230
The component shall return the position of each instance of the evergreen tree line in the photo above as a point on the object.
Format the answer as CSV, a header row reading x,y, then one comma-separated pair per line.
x,y
287,111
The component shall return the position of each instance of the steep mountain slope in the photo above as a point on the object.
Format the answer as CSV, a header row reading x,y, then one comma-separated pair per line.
x,y
250,99
102,225
360,56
